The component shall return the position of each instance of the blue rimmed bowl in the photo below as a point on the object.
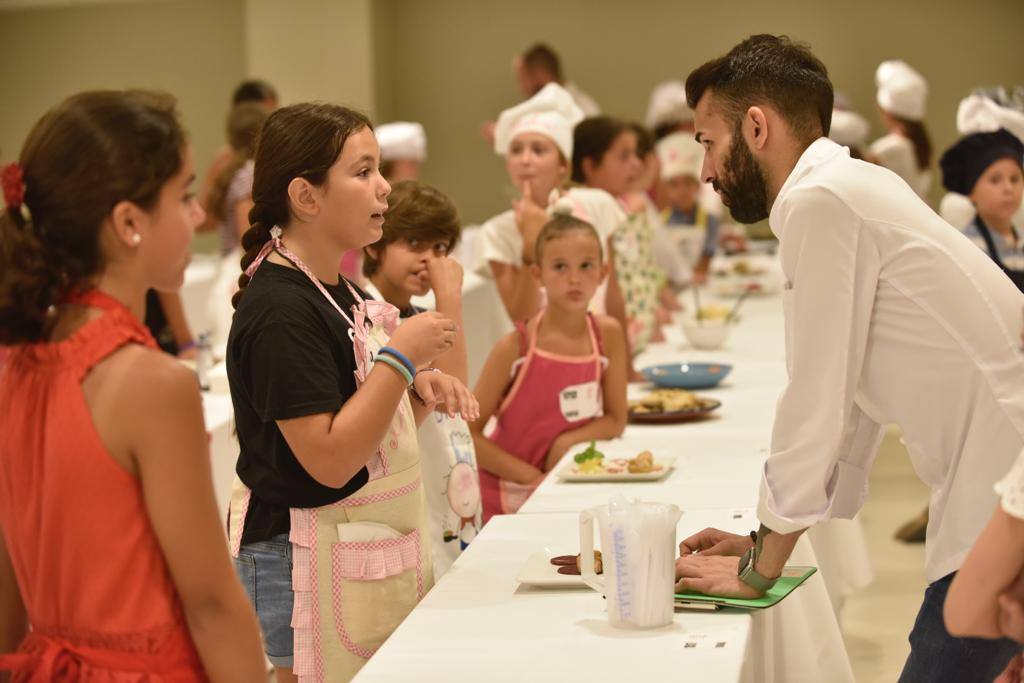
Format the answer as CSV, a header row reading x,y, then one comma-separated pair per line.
x,y
687,375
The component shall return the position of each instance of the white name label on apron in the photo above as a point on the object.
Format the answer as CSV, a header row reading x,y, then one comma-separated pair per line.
x,y
365,532
580,401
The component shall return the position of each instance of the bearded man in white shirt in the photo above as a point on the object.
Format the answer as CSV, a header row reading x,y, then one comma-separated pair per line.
x,y
892,316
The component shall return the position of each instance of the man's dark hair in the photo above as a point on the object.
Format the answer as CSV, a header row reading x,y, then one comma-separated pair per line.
x,y
540,57
772,70
253,91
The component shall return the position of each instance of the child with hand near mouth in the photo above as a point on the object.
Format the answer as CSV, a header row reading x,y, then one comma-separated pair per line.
x,y
421,227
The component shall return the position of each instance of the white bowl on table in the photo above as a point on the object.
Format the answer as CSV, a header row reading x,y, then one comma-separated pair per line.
x,y
707,334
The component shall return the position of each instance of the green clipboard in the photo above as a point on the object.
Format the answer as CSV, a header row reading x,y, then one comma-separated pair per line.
x,y
790,579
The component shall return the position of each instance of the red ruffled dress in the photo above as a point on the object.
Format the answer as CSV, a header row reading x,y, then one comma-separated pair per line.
x,y
98,592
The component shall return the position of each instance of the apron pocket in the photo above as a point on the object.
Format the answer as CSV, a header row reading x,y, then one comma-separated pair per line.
x,y
376,584
513,495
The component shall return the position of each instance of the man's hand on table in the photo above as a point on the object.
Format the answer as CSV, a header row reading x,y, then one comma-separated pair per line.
x,y
716,542
712,575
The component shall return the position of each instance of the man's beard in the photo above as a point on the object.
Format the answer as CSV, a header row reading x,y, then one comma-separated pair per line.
x,y
743,187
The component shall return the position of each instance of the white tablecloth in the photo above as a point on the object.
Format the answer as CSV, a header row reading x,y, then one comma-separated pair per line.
x,y
223,444
195,291
477,623
480,624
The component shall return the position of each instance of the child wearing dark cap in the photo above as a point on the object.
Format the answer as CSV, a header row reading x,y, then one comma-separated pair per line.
x,y
987,168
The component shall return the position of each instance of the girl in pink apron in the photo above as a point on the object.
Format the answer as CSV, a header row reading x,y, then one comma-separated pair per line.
x,y
327,515
558,380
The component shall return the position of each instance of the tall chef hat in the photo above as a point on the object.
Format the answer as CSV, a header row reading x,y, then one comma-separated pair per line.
x,y
551,112
902,91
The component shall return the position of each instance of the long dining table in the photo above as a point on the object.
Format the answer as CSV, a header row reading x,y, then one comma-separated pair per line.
x,y
480,623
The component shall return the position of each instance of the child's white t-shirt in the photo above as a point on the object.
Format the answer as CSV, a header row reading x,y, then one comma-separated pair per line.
x,y
896,153
503,243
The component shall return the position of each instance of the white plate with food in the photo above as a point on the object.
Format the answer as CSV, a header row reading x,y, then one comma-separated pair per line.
x,y
591,465
546,569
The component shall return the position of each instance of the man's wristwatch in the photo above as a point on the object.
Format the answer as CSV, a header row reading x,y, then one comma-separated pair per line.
x,y
746,572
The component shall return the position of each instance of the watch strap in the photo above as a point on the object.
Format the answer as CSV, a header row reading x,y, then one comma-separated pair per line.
x,y
747,573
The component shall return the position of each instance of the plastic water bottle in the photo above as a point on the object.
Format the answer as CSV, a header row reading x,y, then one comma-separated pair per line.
x,y
204,360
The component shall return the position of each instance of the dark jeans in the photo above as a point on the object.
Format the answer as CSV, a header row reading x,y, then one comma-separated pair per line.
x,y
936,656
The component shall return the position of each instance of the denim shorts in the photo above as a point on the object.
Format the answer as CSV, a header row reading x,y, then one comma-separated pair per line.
x,y
265,569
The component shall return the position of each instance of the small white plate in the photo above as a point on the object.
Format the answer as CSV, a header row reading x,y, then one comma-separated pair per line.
x,y
569,473
539,572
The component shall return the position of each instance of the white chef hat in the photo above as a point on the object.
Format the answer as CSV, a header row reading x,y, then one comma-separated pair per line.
x,y
551,112
902,91
849,128
401,140
680,154
957,210
980,114
668,105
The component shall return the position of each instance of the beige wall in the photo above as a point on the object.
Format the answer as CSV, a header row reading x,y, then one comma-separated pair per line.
x,y
450,60
196,49
446,63
192,48
313,50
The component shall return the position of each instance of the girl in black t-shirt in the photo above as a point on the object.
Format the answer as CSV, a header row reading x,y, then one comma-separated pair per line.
x,y
327,510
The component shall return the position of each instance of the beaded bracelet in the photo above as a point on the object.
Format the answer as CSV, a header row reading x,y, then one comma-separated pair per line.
x,y
402,357
397,365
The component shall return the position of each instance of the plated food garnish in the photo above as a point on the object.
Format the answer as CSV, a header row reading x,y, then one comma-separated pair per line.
x,y
589,461
641,464
593,462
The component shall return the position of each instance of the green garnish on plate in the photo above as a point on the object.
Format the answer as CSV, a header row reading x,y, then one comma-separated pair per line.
x,y
591,453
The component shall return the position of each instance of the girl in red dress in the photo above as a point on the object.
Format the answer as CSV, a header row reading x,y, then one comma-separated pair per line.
x,y
113,559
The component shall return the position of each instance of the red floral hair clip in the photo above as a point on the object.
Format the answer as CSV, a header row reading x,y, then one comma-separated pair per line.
x,y
12,180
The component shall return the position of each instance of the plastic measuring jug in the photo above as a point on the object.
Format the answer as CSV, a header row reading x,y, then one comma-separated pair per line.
x,y
638,550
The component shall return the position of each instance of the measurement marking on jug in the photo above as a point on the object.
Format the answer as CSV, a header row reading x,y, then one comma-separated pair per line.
x,y
622,582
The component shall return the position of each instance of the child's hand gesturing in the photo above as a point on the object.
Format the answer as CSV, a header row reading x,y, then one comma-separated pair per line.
x,y
424,337
446,394
530,219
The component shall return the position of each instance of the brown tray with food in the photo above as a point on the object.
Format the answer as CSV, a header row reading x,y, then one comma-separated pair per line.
x,y
671,406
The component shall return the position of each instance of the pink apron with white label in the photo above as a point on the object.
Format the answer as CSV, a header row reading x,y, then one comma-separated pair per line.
x,y
361,564
551,394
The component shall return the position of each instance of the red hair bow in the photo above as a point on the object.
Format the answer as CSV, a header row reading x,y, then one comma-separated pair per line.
x,y
12,180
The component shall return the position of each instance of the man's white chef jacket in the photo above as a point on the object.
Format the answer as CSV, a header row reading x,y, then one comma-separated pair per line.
x,y
892,316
